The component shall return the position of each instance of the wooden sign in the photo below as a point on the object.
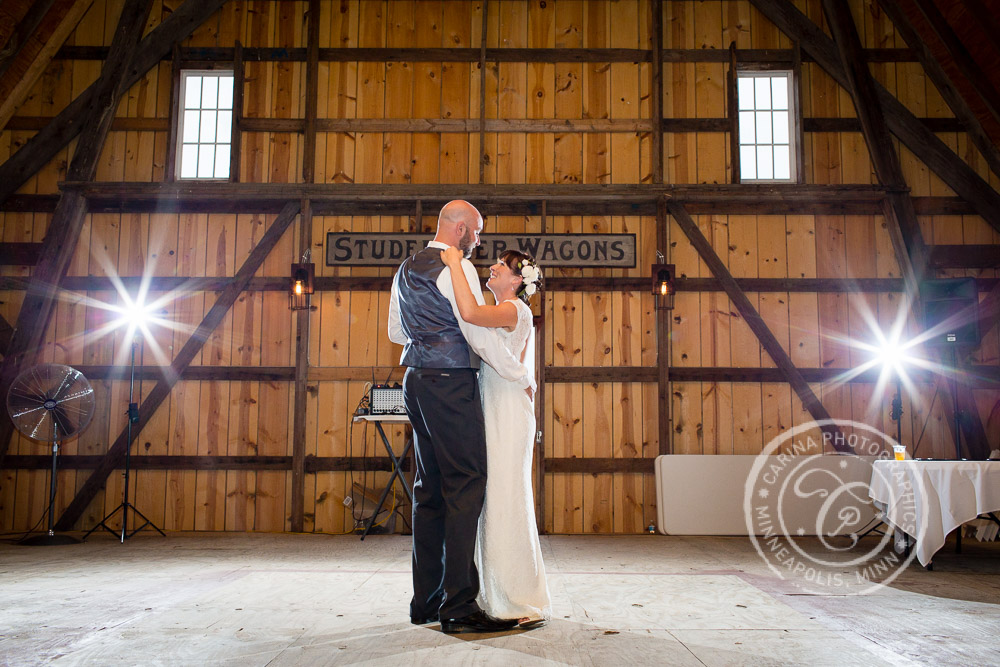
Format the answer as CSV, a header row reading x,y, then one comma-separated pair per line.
x,y
566,250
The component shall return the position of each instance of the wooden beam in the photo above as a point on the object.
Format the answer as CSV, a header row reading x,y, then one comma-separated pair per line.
x,y
41,148
182,360
67,221
300,395
13,41
732,111
753,319
312,98
904,231
16,82
656,109
944,84
505,199
933,152
555,284
482,94
849,202
966,64
210,55
6,332
664,417
469,125
964,256
980,377
313,464
593,466
239,81
19,254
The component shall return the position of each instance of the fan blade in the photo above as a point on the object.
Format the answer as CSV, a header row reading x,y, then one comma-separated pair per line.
x,y
65,383
64,424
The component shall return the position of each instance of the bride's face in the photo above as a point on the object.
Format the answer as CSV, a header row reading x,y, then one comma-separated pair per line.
x,y
502,278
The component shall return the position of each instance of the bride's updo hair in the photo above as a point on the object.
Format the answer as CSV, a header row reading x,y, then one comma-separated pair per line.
x,y
524,266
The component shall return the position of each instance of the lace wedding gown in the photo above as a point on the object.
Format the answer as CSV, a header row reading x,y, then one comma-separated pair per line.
x,y
508,555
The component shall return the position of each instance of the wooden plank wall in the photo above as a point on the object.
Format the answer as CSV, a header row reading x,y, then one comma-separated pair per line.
x,y
606,419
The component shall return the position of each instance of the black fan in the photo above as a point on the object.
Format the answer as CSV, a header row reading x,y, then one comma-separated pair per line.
x,y
50,403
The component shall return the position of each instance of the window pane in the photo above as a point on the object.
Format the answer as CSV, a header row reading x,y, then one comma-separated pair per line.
x,y
225,92
745,94
210,93
206,161
762,87
764,127
747,132
779,92
189,161
765,166
748,162
781,127
207,133
191,117
225,132
782,162
222,161
192,92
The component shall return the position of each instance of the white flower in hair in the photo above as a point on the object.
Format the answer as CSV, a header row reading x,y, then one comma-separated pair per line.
x,y
530,288
530,273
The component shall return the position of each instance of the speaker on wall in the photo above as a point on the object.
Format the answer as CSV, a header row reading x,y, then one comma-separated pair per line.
x,y
951,311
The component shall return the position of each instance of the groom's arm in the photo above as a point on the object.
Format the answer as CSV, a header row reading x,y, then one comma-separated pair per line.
x,y
484,341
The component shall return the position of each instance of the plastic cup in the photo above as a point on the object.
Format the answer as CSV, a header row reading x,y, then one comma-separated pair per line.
x,y
899,451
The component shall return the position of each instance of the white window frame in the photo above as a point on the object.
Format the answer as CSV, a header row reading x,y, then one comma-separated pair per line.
x,y
792,112
213,141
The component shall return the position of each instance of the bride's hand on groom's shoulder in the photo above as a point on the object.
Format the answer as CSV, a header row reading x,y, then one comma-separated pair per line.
x,y
451,256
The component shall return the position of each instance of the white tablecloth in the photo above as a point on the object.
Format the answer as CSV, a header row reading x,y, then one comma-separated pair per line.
x,y
929,499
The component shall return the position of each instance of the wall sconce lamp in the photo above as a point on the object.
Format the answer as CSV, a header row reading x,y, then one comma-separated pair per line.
x,y
663,286
301,286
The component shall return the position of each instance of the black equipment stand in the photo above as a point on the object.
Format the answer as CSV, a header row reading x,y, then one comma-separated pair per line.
x,y
396,462
125,505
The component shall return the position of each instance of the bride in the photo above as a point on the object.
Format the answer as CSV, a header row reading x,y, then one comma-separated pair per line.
x,y
508,555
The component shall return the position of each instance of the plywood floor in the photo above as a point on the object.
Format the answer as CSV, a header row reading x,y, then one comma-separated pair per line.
x,y
194,599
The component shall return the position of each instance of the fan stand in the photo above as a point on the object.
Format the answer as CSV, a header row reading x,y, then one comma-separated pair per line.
x,y
125,505
50,538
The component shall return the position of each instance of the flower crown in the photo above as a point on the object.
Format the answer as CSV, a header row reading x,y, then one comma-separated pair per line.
x,y
530,275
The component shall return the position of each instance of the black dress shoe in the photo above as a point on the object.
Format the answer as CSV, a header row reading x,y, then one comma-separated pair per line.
x,y
433,618
478,621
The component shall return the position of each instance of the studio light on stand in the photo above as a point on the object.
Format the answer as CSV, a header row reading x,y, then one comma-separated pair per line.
x,y
663,286
136,316
892,358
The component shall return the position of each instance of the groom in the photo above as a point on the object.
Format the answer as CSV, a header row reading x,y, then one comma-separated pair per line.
x,y
441,393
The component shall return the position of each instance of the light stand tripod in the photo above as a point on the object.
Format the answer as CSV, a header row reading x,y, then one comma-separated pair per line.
x,y
896,412
133,417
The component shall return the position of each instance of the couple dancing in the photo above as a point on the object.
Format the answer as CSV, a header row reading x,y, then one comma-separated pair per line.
x,y
477,564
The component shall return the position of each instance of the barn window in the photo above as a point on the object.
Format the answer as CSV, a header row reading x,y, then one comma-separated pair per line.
x,y
205,124
766,126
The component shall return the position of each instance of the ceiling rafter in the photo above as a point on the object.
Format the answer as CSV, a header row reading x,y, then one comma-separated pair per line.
x,y
933,152
42,147
944,84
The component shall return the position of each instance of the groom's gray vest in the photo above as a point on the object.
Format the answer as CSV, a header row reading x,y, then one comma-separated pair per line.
x,y
427,318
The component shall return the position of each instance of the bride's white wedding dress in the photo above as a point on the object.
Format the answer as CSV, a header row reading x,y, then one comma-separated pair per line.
x,y
508,555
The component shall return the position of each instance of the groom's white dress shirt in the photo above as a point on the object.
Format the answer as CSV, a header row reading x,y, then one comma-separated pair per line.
x,y
483,340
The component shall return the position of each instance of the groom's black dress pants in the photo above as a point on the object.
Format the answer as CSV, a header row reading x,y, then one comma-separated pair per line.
x,y
444,408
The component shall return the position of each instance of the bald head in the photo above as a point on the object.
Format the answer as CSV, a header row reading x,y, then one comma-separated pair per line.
x,y
459,224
